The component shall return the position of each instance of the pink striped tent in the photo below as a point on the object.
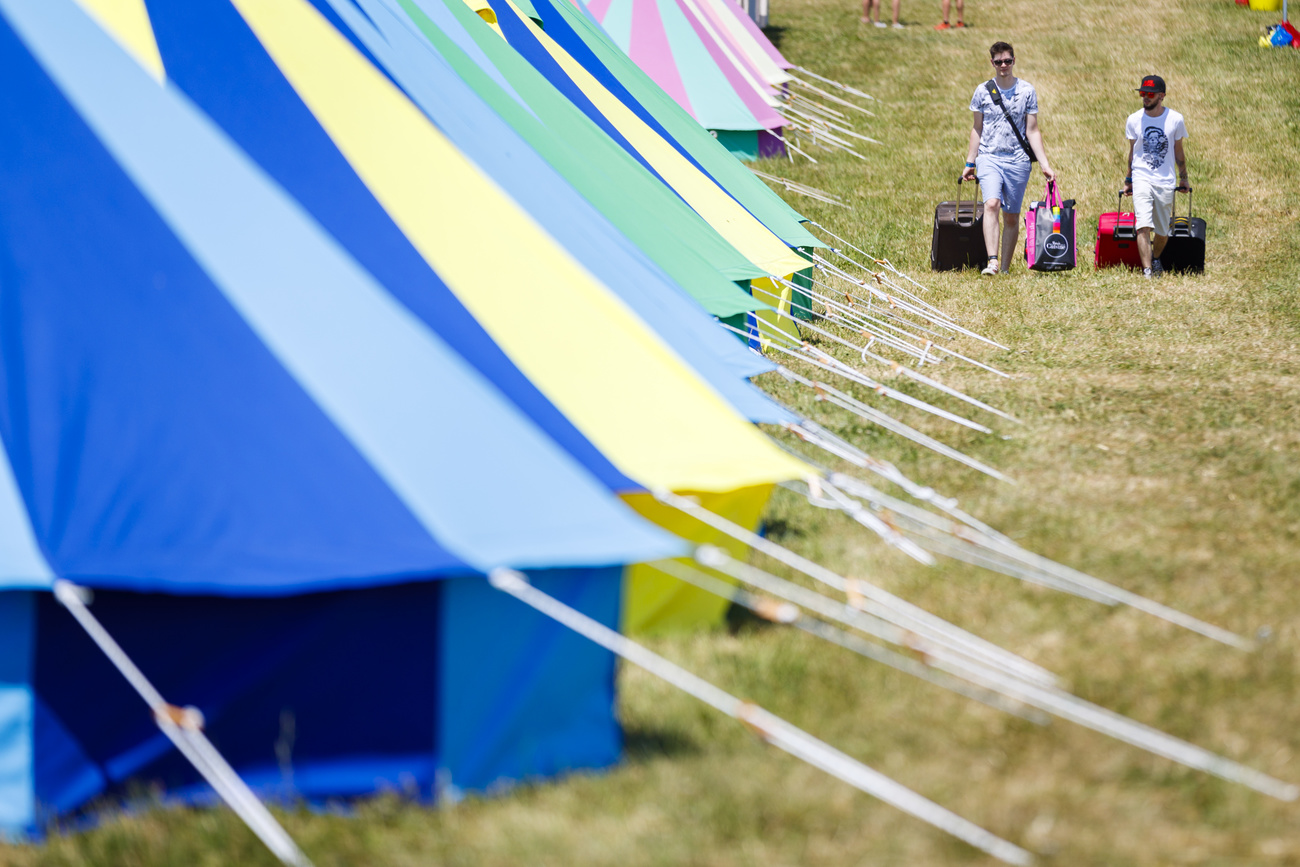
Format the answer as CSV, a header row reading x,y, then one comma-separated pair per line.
x,y
709,57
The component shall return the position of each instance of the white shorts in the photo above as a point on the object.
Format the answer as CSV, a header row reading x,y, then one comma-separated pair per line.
x,y
1153,206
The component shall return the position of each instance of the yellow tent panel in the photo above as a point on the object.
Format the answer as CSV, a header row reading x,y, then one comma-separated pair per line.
x,y
127,21
654,602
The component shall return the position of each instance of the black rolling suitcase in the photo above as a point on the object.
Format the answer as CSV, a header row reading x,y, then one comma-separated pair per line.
x,y
1185,250
958,240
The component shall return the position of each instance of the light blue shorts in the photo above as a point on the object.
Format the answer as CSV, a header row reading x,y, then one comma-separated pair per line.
x,y
1003,179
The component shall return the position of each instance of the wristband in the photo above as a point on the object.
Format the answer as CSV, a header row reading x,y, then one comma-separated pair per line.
x,y
1128,180
970,165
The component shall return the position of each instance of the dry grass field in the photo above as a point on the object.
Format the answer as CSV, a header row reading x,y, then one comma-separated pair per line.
x,y
1159,450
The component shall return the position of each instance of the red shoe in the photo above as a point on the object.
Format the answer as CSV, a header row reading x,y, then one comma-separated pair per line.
x,y
963,23
942,25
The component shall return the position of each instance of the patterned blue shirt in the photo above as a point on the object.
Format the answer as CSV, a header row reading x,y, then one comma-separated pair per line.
x,y
998,140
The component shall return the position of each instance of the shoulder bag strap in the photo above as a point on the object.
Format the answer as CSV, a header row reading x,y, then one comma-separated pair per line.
x,y
996,95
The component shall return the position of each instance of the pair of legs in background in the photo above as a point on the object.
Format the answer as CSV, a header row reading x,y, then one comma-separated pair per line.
x,y
871,13
961,15
1003,184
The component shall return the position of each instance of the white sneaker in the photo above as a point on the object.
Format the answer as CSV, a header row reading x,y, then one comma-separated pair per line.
x,y
898,26
1146,272
991,269
881,24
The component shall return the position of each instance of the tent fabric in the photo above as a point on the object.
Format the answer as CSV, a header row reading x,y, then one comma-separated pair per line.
x,y
748,41
759,199
656,603
604,172
721,105
668,48
625,389
17,713
450,685
701,192
21,562
127,21
568,37
255,420
220,65
753,92
609,255
307,440
759,38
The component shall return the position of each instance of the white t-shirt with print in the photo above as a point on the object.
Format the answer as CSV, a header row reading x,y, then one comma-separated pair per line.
x,y
998,140
1153,153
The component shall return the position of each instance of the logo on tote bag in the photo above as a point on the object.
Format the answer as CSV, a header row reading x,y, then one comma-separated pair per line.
x,y
1056,245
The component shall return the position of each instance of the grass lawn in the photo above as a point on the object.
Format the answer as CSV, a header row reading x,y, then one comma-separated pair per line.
x,y
1160,450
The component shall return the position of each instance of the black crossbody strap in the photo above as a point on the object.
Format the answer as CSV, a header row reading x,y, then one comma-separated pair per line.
x,y
1000,103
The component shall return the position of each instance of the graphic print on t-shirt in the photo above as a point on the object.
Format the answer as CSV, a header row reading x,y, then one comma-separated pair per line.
x,y
1154,146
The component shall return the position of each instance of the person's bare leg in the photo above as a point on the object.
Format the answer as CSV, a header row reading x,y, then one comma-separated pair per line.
x,y
1010,231
1158,246
896,2
944,7
1144,247
866,11
961,11
992,208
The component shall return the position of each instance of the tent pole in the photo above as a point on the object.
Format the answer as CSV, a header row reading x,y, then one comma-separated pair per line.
x,y
767,726
875,600
184,728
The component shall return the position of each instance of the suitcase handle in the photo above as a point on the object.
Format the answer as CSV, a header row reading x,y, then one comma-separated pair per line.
x,y
957,214
1125,234
1174,208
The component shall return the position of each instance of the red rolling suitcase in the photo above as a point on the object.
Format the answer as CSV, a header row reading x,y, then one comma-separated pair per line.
x,y
1117,240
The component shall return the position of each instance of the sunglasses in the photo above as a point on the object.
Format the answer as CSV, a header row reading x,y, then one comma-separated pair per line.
x,y
1145,94
1007,62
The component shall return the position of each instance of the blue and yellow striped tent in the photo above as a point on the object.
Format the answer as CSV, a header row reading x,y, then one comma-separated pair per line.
x,y
259,458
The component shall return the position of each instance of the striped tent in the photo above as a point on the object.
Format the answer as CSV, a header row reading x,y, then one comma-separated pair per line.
x,y
259,457
744,212
710,58
361,144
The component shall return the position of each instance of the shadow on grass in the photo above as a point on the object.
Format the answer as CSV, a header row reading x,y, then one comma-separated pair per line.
x,y
774,34
741,619
641,744
779,529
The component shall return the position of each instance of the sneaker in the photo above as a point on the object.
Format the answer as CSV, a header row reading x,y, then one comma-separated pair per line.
x,y
1146,272
880,24
942,25
898,26
991,269
960,24
1157,269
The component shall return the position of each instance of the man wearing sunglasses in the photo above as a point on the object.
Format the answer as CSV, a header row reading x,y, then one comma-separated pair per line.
x,y
999,154
1155,144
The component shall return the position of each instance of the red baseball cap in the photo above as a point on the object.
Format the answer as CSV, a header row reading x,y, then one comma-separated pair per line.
x,y
1152,84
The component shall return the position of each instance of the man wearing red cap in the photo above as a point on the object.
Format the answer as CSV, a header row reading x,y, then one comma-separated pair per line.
x,y
1155,145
